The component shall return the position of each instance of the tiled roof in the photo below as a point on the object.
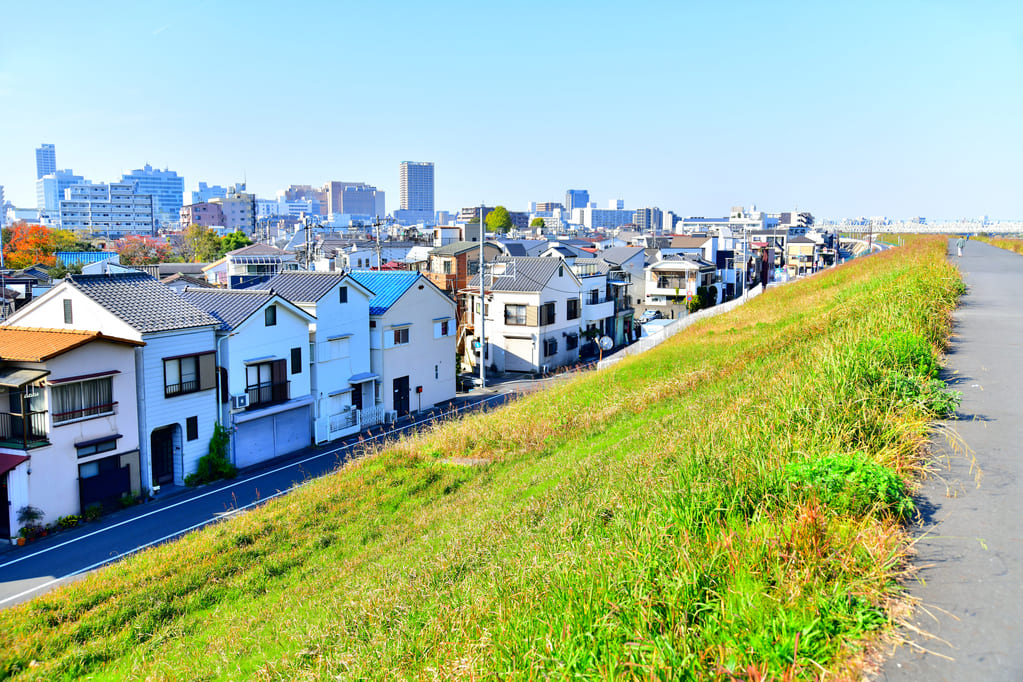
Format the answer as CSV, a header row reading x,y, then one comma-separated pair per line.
x,y
303,286
141,301
187,279
388,287
620,254
31,344
230,306
455,248
257,250
523,274
688,242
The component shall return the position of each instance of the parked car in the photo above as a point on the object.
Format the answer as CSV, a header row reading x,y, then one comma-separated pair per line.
x,y
649,315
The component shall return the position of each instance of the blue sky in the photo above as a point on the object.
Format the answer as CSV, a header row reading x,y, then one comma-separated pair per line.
x,y
844,109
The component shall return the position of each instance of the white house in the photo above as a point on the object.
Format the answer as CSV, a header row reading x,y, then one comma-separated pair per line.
x,y
342,382
263,344
533,315
175,369
412,340
68,423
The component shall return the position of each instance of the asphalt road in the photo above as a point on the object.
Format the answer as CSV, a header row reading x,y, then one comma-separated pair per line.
x,y
26,572
970,544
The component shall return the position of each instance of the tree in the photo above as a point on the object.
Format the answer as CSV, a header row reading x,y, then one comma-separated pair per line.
x,y
235,240
537,222
137,250
26,244
499,220
199,245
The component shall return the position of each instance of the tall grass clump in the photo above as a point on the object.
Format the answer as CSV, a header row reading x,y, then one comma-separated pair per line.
x,y
728,505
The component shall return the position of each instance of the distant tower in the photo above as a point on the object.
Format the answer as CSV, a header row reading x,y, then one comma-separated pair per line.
x,y
576,198
417,186
46,160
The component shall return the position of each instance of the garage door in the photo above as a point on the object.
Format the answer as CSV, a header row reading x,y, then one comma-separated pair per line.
x,y
518,355
272,436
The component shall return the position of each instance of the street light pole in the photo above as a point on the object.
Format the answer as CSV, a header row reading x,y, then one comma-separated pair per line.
x,y
483,310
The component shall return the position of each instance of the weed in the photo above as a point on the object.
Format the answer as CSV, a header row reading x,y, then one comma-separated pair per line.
x,y
851,484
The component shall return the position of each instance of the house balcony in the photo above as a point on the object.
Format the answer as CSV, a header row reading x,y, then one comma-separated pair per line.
x,y
265,395
601,310
23,431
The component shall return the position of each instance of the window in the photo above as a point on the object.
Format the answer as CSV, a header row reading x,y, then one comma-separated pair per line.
x,y
82,399
266,383
296,360
572,342
401,336
436,371
550,347
96,447
444,327
192,428
573,309
547,314
270,316
189,374
514,313
67,311
343,295
594,297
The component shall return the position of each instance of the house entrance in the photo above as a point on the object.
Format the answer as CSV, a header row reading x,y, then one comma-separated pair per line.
x,y
401,396
161,452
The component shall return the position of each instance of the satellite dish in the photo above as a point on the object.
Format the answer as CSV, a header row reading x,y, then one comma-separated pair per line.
x,y
606,343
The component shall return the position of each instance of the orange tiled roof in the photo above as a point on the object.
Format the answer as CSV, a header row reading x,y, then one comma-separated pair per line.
x,y
33,344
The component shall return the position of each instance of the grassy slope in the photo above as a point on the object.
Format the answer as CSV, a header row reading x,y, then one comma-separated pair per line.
x,y
630,521
1008,243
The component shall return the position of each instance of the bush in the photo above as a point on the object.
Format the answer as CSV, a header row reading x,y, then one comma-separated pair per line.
x,y
93,511
69,521
215,465
29,515
852,484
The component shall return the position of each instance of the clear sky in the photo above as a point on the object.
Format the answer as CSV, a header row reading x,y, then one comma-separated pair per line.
x,y
840,108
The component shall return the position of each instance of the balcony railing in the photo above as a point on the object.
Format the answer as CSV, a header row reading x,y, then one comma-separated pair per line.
x,y
14,434
268,394
183,387
343,421
83,413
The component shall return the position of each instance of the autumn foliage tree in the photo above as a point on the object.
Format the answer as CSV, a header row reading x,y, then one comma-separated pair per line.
x,y
26,244
141,250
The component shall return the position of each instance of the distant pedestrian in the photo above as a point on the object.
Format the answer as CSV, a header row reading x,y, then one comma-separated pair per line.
x,y
764,270
960,243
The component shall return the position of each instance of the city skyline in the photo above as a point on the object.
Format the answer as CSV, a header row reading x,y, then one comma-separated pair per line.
x,y
844,111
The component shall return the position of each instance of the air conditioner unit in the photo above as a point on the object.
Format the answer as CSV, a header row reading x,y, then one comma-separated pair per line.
x,y
390,416
240,401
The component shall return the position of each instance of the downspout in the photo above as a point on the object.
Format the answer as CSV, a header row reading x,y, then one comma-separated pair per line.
x,y
145,461
219,404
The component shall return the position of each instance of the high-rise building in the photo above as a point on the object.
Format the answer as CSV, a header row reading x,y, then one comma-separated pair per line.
x,y
649,219
576,198
50,188
239,209
166,187
113,210
354,199
417,186
46,160
3,208
203,193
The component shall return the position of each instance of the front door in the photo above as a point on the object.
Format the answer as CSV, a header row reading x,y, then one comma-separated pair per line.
x,y
162,452
401,396
5,509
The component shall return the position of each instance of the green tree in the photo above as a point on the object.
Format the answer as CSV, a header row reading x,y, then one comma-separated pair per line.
x,y
499,220
199,245
537,222
235,240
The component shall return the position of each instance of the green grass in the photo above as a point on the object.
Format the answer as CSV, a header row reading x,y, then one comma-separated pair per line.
x,y
727,505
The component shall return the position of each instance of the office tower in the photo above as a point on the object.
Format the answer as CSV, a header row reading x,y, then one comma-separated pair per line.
x,y
50,188
3,208
417,186
649,219
166,187
112,210
576,198
354,199
46,160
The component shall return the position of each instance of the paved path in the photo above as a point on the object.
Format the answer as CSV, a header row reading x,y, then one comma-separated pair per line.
x,y
26,572
970,548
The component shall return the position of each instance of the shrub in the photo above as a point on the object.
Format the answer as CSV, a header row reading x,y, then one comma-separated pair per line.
x,y
69,521
29,515
852,484
215,465
93,511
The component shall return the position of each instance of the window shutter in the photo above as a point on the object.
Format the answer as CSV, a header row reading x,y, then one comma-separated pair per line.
x,y
207,371
279,371
532,316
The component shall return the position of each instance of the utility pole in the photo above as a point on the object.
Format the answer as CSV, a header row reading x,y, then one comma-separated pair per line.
x,y
483,309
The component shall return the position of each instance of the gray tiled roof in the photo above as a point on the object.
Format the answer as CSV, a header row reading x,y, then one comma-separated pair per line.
x,y
304,287
524,274
230,306
257,250
141,301
619,254
455,248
